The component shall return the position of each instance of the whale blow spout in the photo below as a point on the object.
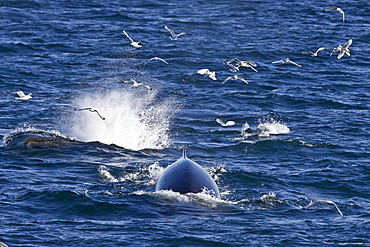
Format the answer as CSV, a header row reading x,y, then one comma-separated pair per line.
x,y
186,176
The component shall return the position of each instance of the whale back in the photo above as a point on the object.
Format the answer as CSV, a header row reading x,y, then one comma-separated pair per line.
x,y
186,176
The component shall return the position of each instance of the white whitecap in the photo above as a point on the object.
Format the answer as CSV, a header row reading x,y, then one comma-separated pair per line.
x,y
274,128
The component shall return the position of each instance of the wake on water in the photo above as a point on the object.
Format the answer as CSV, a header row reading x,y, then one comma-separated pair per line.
x,y
148,176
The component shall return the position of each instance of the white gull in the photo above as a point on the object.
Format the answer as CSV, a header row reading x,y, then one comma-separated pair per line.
x,y
342,49
136,84
323,200
239,63
338,9
235,77
287,60
174,36
133,43
314,54
23,96
211,74
223,124
91,110
156,58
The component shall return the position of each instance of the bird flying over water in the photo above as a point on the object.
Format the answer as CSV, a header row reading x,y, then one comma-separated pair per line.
x,y
156,58
342,49
338,9
91,110
314,54
345,49
323,200
23,96
235,77
133,43
173,35
239,63
211,74
287,60
223,124
337,49
136,84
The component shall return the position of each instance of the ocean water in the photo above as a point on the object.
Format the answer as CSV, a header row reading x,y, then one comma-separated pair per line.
x,y
70,178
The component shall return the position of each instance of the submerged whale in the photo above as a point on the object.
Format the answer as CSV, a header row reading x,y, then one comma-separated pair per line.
x,y
47,142
186,176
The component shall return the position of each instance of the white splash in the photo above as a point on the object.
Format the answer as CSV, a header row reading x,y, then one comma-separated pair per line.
x,y
133,119
269,196
204,198
272,128
106,175
216,172
155,171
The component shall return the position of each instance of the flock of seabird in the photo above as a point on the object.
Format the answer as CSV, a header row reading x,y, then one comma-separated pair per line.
x,y
235,64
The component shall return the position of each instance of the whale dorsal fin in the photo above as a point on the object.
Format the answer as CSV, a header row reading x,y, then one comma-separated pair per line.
x,y
184,153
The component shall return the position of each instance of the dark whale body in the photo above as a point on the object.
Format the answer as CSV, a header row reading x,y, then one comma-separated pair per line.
x,y
48,142
186,176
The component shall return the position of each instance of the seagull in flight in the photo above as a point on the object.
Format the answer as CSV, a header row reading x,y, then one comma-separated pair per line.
x,y
323,200
287,60
228,123
239,63
337,49
91,110
342,49
173,35
136,84
235,77
23,96
133,43
338,9
314,54
156,58
211,74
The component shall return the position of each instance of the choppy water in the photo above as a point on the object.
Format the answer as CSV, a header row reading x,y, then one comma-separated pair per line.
x,y
69,178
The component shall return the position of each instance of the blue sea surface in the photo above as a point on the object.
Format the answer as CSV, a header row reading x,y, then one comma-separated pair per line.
x,y
70,178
